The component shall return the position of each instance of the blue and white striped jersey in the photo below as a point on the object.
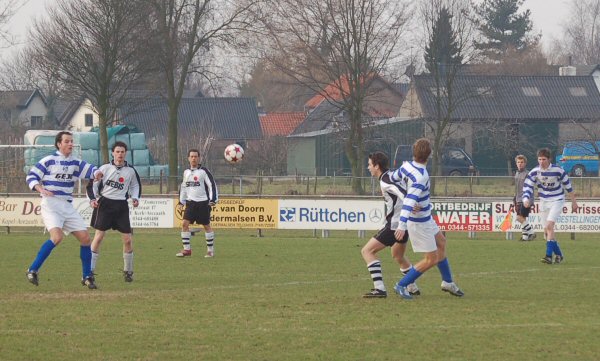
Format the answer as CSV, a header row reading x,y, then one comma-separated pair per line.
x,y
414,178
551,183
57,174
393,194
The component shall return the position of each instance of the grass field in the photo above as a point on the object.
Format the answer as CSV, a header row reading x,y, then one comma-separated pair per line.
x,y
289,296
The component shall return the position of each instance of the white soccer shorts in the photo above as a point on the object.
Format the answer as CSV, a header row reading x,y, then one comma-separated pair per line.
x,y
550,210
422,235
59,213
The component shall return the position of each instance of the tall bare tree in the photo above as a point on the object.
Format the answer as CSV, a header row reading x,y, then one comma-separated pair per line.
x,y
581,34
184,32
445,69
337,46
98,50
8,9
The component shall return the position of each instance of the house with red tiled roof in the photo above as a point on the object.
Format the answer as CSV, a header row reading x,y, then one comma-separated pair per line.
x,y
280,123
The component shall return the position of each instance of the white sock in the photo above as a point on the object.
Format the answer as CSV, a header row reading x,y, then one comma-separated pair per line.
x,y
185,239
210,241
95,256
128,262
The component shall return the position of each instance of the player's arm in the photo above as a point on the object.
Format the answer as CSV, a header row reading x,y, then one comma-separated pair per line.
x,y
528,188
183,188
566,182
135,188
211,186
34,178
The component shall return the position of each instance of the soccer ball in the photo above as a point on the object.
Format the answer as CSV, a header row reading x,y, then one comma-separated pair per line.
x,y
234,153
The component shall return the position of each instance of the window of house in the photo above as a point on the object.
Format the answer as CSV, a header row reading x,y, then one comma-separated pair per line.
x,y
531,91
89,120
578,91
36,121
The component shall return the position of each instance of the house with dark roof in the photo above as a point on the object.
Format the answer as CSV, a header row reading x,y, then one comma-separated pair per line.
x,y
537,111
26,108
223,120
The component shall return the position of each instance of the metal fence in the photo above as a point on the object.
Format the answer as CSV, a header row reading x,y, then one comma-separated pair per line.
x,y
332,186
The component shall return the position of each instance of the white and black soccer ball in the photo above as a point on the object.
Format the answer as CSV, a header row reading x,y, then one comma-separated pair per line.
x,y
234,153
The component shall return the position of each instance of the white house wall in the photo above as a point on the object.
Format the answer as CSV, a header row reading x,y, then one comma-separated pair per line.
x,y
77,122
36,108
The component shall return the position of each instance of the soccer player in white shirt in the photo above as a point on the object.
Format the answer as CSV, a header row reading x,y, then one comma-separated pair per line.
x,y
425,235
54,178
393,195
198,194
109,197
552,182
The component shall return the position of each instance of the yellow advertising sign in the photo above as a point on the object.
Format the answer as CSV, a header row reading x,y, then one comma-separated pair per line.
x,y
240,213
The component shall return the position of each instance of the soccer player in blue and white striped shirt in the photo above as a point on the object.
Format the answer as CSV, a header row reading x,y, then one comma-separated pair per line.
x,y
425,235
552,182
54,178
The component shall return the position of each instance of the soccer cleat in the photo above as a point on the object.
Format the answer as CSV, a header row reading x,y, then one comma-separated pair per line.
x,y
89,282
128,276
547,260
184,253
402,292
452,288
532,237
413,289
375,293
32,277
558,259
209,254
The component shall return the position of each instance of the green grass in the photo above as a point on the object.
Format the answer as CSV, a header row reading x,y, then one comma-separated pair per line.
x,y
289,296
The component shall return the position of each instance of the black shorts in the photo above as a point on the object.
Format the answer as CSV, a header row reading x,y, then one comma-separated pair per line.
x,y
197,212
522,211
111,214
386,236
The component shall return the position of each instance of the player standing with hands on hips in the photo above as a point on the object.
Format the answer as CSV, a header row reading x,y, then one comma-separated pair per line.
x,y
108,197
54,178
551,181
198,194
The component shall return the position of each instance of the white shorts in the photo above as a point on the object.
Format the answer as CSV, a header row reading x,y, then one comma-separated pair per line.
x,y
422,235
550,210
59,213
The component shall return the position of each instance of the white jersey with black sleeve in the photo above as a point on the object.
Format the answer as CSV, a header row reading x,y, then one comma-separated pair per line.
x,y
118,183
198,185
393,194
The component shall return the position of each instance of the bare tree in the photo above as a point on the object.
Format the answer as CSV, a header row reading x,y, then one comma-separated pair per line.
x,y
337,47
8,9
184,32
97,49
581,39
445,69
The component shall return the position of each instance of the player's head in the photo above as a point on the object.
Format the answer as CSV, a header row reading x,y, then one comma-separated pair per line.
x,y
64,142
544,157
119,149
521,161
119,144
194,157
421,150
378,163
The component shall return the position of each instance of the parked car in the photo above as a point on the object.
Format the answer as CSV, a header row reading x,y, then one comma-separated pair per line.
x,y
579,158
455,161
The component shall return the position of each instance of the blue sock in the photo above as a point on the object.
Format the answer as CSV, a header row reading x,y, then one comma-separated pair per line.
x,y
44,252
410,277
556,248
444,268
549,248
85,253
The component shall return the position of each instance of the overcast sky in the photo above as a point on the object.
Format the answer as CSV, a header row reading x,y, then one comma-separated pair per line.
x,y
546,15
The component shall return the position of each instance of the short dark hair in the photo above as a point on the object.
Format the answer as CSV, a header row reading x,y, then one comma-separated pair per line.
x,y
193,151
380,159
58,137
118,144
544,152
